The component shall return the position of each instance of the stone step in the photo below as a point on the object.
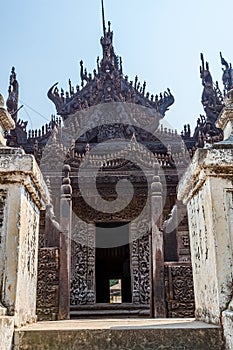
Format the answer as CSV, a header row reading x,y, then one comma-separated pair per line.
x,y
108,313
105,306
119,334
109,310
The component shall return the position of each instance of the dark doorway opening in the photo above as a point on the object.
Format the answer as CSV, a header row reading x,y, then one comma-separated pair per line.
x,y
112,260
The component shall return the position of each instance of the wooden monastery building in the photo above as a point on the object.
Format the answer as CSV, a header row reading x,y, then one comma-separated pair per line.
x,y
112,169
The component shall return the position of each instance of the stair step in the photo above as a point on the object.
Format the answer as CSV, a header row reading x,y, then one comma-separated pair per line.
x,y
103,306
109,313
119,334
109,310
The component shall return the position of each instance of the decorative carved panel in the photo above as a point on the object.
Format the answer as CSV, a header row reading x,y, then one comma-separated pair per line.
x,y
82,264
179,290
42,229
89,214
140,261
48,284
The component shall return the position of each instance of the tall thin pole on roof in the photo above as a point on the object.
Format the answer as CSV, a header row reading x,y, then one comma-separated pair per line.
x,y
103,17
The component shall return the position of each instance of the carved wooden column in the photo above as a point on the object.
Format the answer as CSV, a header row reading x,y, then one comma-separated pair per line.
x,y
157,300
65,245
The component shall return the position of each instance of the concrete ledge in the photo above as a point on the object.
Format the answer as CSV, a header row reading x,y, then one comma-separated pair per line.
x,y
6,332
135,334
18,167
212,162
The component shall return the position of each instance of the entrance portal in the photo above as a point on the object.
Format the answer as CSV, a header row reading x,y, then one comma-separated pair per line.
x,y
112,260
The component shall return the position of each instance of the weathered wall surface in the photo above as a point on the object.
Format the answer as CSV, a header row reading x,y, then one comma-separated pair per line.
x,y
3,208
6,323
28,225
6,332
23,194
227,319
207,189
211,249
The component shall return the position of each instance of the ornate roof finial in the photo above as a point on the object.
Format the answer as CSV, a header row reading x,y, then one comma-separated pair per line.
x,y
103,17
212,102
12,100
203,63
205,73
107,84
223,61
227,77
109,26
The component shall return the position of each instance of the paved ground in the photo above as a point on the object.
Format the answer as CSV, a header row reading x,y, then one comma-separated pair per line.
x,y
125,323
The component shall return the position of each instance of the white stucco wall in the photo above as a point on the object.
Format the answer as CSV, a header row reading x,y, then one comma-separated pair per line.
x,y
21,180
211,248
207,189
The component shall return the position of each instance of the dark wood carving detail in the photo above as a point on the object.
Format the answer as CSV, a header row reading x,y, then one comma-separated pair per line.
x,y
82,265
42,229
48,266
48,284
179,290
144,270
79,289
140,261
88,214
106,84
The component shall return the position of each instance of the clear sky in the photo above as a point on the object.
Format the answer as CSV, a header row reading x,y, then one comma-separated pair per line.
x,y
159,40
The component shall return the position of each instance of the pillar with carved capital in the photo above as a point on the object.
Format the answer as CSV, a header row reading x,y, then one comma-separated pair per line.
x,y
65,245
158,308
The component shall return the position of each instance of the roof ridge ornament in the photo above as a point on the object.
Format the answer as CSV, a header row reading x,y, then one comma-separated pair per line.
x,y
211,99
107,84
227,77
13,95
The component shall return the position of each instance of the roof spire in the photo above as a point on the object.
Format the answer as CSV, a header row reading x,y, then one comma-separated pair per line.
x,y
13,91
103,18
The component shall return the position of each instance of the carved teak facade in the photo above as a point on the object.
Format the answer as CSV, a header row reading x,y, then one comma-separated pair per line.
x,y
149,252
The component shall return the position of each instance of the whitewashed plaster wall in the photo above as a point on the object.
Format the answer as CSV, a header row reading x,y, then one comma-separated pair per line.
x,y
26,194
207,188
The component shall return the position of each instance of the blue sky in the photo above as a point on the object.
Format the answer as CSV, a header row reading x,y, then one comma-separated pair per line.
x,y
159,40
